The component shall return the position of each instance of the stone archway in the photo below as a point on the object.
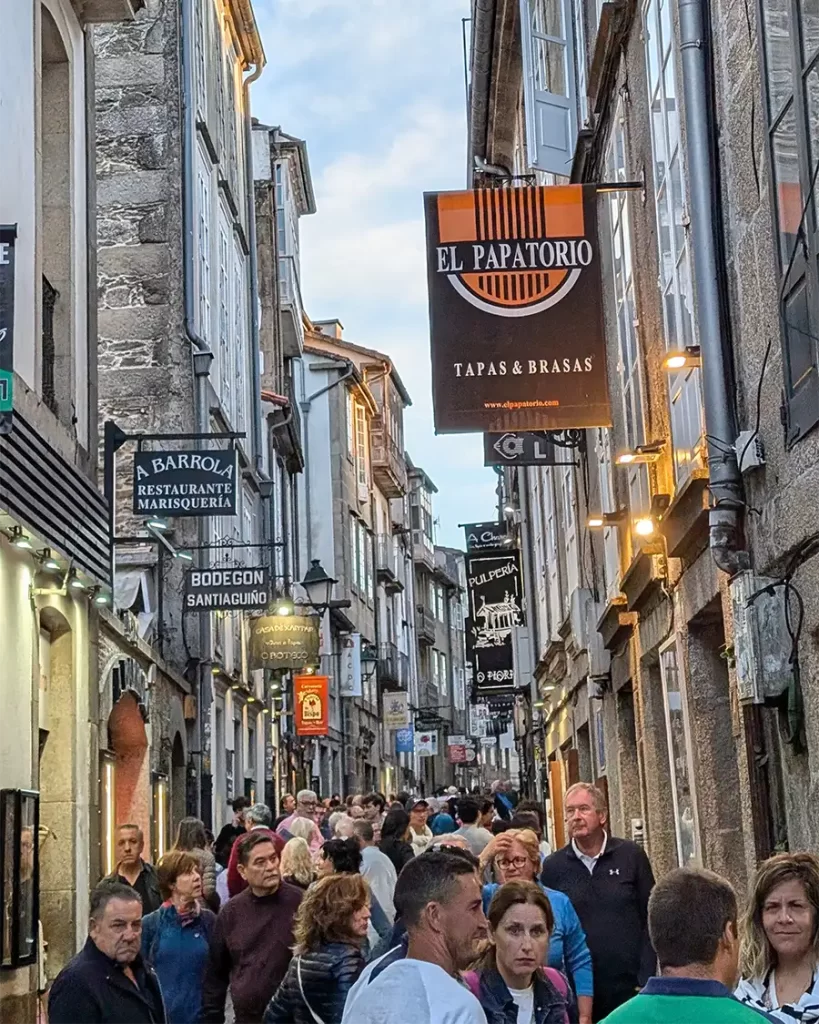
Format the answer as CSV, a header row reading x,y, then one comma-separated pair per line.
x,y
128,741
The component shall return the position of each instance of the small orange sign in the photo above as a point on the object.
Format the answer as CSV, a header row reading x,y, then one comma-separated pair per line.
x,y
311,695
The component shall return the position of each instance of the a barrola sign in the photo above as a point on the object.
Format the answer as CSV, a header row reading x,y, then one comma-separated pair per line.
x,y
516,312
177,483
226,589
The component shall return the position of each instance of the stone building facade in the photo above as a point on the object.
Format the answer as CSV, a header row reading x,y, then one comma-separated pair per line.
x,y
636,640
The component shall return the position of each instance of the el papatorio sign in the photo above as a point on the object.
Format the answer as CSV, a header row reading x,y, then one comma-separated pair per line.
x,y
226,589
176,483
516,309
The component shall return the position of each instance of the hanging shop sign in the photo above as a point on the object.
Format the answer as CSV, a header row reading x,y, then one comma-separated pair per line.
x,y
197,483
478,719
516,309
456,753
395,710
524,448
350,685
427,743
279,641
495,600
311,702
8,234
404,740
226,589
487,536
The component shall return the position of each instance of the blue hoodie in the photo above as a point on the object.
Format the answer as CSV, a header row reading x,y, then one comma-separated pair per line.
x,y
179,956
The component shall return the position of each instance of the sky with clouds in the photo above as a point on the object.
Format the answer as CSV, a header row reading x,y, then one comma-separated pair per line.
x,y
376,87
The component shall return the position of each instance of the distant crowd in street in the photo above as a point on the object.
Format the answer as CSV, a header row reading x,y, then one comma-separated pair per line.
x,y
446,910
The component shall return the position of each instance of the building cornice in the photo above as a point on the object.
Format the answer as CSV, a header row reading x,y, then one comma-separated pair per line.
x,y
244,21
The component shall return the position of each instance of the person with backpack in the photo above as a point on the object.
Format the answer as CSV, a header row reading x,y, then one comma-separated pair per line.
x,y
509,980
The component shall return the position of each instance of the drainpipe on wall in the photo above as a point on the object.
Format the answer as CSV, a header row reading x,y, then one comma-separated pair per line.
x,y
256,381
202,359
726,516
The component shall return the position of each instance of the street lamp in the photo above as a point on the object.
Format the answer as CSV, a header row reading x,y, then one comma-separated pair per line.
x,y
369,660
318,586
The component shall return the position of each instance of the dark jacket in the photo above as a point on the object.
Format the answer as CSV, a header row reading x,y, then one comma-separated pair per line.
x,y
147,885
326,976
612,904
399,852
179,955
501,1008
225,840
91,989
250,951
396,943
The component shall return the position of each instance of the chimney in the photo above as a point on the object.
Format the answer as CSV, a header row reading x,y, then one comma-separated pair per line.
x,y
331,328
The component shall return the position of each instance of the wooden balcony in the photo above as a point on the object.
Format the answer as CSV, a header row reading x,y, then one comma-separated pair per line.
x,y
388,463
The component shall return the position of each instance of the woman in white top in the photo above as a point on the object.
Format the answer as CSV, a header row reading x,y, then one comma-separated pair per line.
x,y
780,941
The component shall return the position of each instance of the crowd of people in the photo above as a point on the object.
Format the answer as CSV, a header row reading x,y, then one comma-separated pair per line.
x,y
447,910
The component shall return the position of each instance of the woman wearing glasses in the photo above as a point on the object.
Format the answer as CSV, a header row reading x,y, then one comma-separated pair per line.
x,y
515,856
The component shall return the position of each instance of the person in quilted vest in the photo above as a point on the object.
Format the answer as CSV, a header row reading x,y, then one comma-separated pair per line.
x,y
330,927
509,980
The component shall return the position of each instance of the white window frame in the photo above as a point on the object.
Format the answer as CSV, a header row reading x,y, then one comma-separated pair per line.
x,y
569,535
201,34
672,672
674,273
240,340
361,474
444,668
552,558
203,245
611,542
225,319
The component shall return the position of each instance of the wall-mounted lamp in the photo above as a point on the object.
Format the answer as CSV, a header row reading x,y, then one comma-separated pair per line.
x,y
102,596
598,520
74,582
48,561
155,523
641,453
685,359
18,538
283,606
645,525
183,556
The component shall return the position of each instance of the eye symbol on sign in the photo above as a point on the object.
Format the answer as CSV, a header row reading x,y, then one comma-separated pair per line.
x,y
510,446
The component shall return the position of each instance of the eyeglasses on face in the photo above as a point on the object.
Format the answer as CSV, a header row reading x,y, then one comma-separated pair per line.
x,y
515,862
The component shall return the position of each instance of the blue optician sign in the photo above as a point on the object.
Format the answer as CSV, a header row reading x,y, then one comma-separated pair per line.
x,y
404,741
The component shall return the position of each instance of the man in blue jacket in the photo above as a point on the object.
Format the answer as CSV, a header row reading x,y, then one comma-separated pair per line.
x,y
107,981
609,881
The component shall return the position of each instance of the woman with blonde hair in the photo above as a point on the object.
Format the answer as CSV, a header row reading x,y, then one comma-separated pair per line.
x,y
302,828
297,862
780,940
514,855
330,927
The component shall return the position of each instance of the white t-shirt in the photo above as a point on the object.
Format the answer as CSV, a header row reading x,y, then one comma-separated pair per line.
x,y
525,1002
412,992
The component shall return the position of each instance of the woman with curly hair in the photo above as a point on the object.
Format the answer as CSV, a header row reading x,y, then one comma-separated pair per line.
x,y
330,927
297,862
515,856
780,940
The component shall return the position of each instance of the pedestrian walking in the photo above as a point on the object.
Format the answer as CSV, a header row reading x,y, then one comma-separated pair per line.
x,y
231,832
175,938
191,837
251,942
438,897
514,856
306,804
441,821
376,868
257,819
487,813
780,940
420,832
509,980
286,809
343,857
531,809
330,926
502,795
132,870
608,881
297,863
468,812
395,834
108,982
692,920
373,806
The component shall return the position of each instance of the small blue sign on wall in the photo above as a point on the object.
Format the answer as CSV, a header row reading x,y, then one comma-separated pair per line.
x,y
404,740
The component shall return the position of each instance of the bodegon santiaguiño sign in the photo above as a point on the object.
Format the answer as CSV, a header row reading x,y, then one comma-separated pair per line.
x,y
284,641
516,309
227,589
177,483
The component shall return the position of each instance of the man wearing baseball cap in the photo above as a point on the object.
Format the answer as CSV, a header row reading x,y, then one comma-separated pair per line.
x,y
420,832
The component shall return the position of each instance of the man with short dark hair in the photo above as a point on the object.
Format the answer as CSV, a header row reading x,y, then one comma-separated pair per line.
x,y
438,897
251,941
257,819
107,982
132,870
373,806
608,881
286,807
468,812
420,832
231,832
692,920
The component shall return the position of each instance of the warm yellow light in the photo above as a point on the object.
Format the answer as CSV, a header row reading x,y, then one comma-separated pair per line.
x,y
594,522
644,526
676,362
109,817
624,458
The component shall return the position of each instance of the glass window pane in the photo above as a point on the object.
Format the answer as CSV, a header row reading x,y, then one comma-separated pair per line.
x,y
550,67
809,10
666,31
777,28
671,104
670,304
680,759
801,354
666,256
786,178
677,203
652,47
812,100
658,138
547,17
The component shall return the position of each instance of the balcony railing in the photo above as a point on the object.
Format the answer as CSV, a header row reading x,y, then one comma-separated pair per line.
x,y
424,624
389,465
387,567
393,667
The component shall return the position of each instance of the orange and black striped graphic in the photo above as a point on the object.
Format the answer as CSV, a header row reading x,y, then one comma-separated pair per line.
x,y
513,215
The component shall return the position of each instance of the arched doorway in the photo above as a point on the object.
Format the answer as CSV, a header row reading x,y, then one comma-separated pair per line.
x,y
178,783
128,742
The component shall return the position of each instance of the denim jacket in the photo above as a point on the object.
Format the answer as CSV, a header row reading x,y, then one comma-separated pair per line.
x,y
501,1008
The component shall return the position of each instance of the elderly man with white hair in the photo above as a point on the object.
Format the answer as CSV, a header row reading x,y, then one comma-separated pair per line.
x,y
306,803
